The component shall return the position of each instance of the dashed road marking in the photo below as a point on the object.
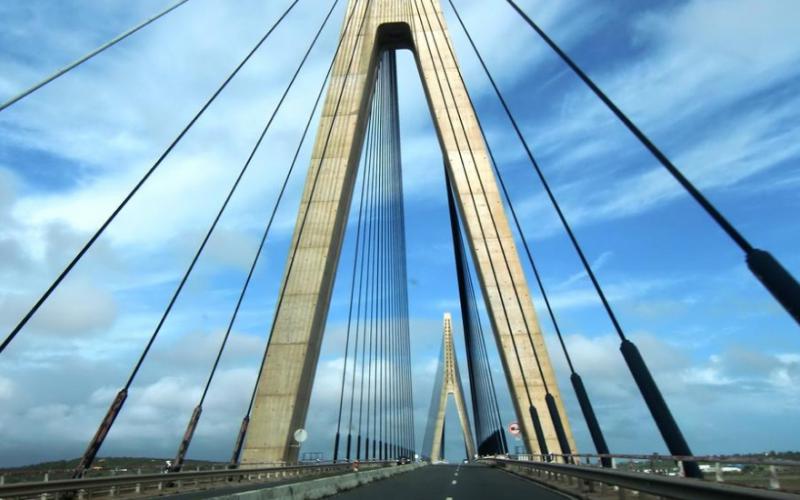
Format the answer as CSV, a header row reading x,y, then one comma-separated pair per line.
x,y
454,481
448,498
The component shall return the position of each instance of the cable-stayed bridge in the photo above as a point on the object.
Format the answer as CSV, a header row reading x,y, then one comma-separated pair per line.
x,y
354,183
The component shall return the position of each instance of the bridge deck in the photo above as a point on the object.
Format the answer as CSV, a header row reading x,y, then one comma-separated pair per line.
x,y
455,482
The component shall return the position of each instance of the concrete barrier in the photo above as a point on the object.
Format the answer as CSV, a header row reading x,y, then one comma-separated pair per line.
x,y
320,488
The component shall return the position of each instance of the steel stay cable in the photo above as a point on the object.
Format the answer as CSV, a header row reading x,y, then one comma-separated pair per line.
x,y
489,376
549,399
117,404
775,278
177,463
544,182
78,62
227,200
352,293
367,179
662,416
387,269
374,275
660,156
489,381
485,387
395,256
552,406
516,221
396,165
518,225
532,409
478,390
452,128
476,387
138,185
380,364
366,289
380,267
494,224
364,363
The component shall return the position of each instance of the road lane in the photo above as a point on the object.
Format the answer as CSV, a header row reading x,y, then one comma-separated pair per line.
x,y
454,482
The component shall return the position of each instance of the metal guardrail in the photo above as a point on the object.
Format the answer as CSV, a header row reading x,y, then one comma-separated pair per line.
x,y
159,484
773,467
594,479
574,457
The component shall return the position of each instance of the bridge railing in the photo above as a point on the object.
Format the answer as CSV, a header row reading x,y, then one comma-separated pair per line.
x,y
761,472
156,484
725,477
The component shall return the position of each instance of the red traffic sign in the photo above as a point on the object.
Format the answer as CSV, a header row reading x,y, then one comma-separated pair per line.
x,y
513,428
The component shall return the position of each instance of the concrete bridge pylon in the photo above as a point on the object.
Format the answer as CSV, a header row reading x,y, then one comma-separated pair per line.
x,y
286,376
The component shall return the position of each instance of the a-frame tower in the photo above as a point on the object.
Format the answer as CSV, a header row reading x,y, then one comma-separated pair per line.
x,y
450,383
285,380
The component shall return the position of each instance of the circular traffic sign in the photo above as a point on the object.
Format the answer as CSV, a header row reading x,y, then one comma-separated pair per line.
x,y
513,428
300,435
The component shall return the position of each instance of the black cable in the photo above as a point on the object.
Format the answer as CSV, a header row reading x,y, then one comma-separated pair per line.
x,y
368,303
90,55
227,200
494,224
463,164
531,408
662,416
178,462
350,312
138,185
661,157
544,182
780,283
475,386
367,179
583,398
119,401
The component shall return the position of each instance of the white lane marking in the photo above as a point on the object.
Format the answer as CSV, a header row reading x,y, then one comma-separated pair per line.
x,y
454,481
448,498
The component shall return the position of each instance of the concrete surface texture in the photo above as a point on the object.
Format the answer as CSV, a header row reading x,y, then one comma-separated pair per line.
x,y
319,488
285,380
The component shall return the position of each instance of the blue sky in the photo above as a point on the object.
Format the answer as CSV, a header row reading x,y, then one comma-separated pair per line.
x,y
712,82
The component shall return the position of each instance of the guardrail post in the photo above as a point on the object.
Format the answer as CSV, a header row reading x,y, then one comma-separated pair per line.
x,y
718,473
774,482
2,479
681,471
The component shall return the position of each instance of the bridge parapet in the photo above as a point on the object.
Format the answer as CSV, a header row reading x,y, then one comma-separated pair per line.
x,y
583,474
150,485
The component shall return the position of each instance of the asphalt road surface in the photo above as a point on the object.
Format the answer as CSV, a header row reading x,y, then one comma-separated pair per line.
x,y
452,482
